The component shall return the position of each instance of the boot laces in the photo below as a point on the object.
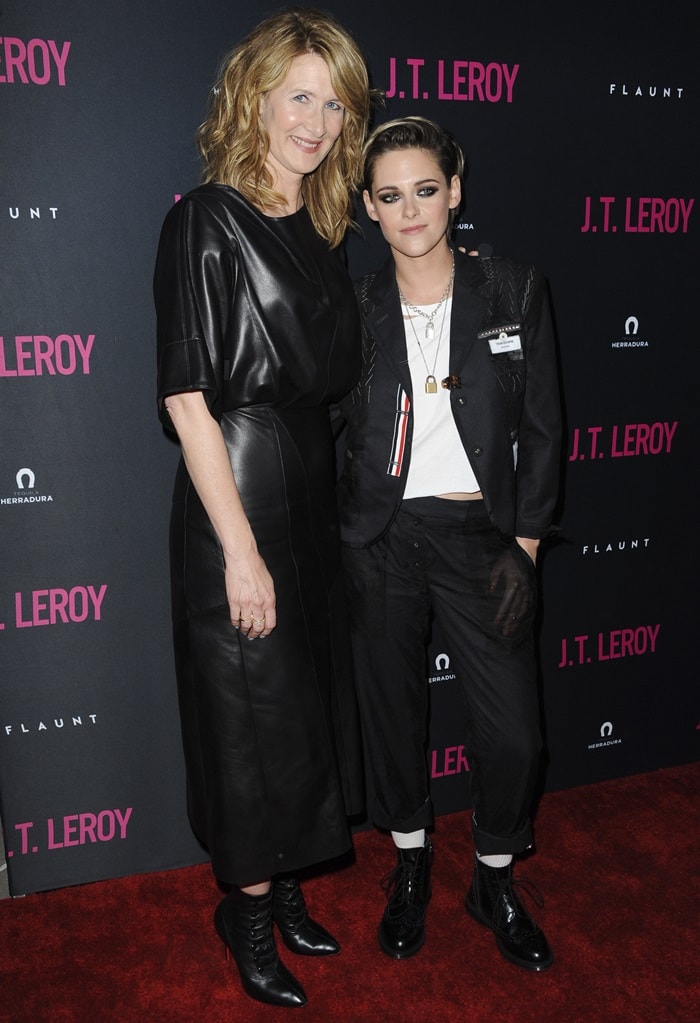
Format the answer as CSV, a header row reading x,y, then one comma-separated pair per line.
x,y
406,888
509,898
262,942
291,902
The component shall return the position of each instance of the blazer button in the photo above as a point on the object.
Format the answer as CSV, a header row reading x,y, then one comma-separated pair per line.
x,y
460,401
477,451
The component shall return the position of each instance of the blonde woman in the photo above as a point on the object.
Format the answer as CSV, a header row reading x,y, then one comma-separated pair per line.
x,y
258,331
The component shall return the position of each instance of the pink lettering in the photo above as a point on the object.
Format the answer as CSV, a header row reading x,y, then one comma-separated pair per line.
x,y
655,215
476,80
78,604
64,351
85,347
494,82
20,622
39,56
51,842
459,79
642,215
453,761
83,828
57,605
38,605
87,827
38,45
673,215
416,64
61,59
105,826
123,820
449,760
510,80
23,356
643,432
38,354
24,835
15,56
653,633
70,829
97,599
642,439
391,91
685,212
658,207
43,350
442,94
628,215
627,642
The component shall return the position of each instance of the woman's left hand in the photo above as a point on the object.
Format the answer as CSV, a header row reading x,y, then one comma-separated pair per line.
x,y
512,587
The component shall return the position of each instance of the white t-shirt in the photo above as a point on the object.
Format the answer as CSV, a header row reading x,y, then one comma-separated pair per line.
x,y
439,464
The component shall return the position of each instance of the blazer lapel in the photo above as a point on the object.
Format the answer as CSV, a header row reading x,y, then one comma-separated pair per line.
x,y
469,308
386,323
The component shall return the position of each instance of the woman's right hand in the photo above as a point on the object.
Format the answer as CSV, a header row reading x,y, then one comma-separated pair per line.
x,y
249,587
251,595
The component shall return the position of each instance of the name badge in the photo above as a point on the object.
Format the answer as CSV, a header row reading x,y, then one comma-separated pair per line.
x,y
505,343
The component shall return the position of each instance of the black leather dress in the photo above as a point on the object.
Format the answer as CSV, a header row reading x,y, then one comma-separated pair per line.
x,y
259,314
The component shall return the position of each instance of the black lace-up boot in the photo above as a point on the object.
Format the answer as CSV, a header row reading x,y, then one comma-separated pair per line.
x,y
402,932
300,933
492,901
244,924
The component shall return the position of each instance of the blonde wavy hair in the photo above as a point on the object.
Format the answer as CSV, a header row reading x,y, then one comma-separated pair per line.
x,y
233,142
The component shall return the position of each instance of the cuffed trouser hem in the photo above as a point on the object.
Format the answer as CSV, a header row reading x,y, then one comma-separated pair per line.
x,y
422,819
498,845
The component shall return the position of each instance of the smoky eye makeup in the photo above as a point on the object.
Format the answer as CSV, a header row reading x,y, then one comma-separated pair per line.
x,y
390,195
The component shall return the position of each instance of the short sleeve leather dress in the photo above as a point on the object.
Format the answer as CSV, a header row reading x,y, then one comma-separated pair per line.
x,y
258,313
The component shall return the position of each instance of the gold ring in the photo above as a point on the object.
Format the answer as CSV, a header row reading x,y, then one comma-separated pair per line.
x,y
259,621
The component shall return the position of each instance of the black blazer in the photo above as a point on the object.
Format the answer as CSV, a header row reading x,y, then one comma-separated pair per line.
x,y
504,398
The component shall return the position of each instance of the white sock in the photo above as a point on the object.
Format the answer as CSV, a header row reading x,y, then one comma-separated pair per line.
x,y
412,840
495,861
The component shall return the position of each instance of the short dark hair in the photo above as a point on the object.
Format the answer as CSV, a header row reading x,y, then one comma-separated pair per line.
x,y
413,133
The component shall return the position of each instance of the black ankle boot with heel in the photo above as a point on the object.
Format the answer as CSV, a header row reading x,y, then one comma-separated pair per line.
x,y
244,924
299,932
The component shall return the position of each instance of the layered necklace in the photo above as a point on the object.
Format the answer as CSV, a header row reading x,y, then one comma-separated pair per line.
x,y
430,381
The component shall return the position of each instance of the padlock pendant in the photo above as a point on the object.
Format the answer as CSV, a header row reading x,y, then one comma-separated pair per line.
x,y
430,385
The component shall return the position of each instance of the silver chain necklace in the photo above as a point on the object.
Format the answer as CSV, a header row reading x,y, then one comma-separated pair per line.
x,y
430,317
430,381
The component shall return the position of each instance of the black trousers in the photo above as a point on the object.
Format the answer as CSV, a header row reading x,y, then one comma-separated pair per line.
x,y
446,557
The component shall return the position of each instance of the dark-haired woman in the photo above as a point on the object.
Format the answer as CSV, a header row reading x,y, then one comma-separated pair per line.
x,y
449,485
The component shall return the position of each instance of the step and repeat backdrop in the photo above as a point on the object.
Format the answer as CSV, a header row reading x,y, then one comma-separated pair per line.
x,y
580,126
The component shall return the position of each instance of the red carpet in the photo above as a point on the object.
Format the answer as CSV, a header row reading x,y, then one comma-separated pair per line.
x,y
617,863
